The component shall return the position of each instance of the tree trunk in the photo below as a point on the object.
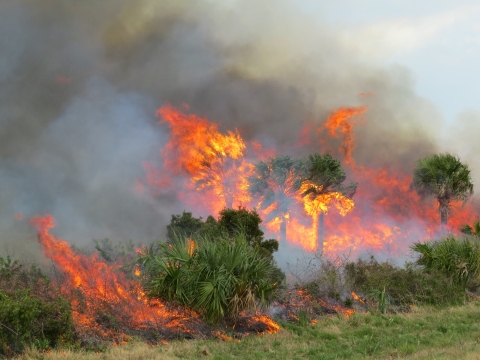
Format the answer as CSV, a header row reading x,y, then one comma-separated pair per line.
x,y
443,206
443,216
283,230
320,232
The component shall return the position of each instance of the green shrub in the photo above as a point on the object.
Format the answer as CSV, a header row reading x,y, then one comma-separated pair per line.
x,y
456,258
32,313
386,284
229,223
218,279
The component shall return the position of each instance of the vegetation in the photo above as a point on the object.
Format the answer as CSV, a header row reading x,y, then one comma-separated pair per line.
x,y
218,279
473,231
324,175
446,178
424,333
32,313
277,181
229,223
400,287
456,258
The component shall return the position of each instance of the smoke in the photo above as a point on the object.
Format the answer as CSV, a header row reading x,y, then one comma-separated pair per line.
x,y
81,82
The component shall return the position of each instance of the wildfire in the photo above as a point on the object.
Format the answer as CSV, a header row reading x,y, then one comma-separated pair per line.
x,y
212,160
93,285
208,171
341,120
106,303
317,203
357,298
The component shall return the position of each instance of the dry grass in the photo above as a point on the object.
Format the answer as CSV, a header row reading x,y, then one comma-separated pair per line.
x,y
425,333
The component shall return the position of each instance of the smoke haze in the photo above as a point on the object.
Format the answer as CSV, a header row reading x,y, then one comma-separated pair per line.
x,y
81,81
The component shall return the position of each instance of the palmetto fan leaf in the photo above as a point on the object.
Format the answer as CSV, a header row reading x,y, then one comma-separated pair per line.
x,y
446,178
219,278
276,181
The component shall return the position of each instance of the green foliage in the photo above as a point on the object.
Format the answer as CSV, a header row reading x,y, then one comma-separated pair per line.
x,y
230,222
386,284
217,278
445,177
456,258
277,181
246,222
327,174
32,313
471,230
184,225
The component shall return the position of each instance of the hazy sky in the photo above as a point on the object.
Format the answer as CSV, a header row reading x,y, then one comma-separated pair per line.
x,y
439,41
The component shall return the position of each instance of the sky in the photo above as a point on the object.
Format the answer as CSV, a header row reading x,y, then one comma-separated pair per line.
x,y
438,41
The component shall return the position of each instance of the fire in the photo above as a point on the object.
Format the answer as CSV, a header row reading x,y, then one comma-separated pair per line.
x,y
94,285
341,120
211,159
317,204
208,170
272,326
191,246
357,298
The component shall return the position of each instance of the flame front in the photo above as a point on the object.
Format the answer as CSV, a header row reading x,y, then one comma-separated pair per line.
x,y
208,171
93,285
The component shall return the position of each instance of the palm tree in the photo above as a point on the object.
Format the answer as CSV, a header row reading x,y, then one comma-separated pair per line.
x,y
444,177
322,185
276,181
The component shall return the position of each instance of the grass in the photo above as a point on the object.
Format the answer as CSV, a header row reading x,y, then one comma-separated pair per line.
x,y
425,333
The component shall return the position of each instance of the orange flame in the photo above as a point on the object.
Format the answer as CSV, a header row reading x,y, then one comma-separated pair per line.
x,y
385,216
340,119
213,161
315,204
100,284
357,298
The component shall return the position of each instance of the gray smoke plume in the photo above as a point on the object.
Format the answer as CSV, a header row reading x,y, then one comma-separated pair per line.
x,y
80,83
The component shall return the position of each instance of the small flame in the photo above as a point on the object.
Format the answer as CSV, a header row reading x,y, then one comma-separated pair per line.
x,y
357,298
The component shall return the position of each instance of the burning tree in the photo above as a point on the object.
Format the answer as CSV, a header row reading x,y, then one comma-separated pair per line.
x,y
212,160
277,182
446,178
322,186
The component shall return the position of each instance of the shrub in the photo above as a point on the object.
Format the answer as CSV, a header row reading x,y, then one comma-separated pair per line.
x,y
456,258
229,223
218,279
32,313
386,283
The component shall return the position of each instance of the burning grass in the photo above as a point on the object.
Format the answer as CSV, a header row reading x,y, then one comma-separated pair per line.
x,y
110,308
92,304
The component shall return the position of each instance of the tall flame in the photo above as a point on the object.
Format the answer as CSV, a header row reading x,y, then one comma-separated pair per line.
x,y
214,161
103,286
385,215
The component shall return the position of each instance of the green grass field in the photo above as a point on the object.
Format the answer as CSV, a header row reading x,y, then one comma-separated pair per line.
x,y
424,333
